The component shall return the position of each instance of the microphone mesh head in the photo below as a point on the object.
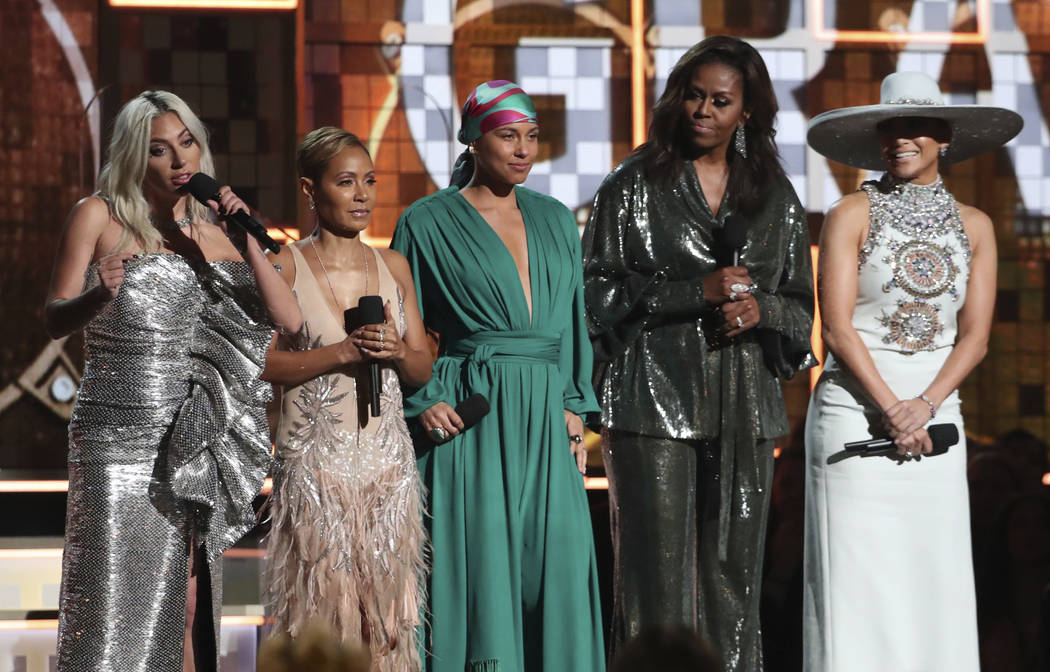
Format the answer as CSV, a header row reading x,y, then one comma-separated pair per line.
x,y
734,232
202,187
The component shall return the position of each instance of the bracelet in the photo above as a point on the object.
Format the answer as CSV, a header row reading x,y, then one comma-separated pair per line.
x,y
933,409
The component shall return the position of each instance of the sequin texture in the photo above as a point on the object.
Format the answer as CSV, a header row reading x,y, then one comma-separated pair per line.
x,y
168,438
346,542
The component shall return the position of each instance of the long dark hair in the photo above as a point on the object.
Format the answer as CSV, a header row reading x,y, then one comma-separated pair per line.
x,y
665,151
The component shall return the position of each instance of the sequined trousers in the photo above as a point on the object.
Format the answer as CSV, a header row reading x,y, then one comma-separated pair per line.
x,y
167,444
664,507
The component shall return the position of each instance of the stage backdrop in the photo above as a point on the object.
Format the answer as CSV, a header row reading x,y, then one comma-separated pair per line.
x,y
396,72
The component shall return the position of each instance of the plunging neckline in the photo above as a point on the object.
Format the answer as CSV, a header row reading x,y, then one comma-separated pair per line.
x,y
340,321
529,305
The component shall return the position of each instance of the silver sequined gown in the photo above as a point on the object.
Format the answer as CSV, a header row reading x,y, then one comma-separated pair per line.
x,y
888,575
168,439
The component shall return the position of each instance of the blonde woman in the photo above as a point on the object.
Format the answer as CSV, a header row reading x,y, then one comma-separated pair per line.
x,y
346,538
168,441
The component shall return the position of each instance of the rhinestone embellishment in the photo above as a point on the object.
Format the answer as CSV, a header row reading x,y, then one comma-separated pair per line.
x,y
923,270
913,326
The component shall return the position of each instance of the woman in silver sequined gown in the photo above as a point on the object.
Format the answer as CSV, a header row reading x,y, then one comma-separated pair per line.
x,y
907,287
691,348
168,440
346,543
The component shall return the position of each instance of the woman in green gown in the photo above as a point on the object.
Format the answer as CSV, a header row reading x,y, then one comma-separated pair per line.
x,y
498,273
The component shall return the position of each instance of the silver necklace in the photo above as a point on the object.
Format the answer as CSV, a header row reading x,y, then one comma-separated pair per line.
x,y
175,225
364,257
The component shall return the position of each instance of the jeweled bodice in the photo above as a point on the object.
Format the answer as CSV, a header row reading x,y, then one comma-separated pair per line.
x,y
913,267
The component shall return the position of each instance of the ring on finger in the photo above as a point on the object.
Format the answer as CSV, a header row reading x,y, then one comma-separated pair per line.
x,y
438,434
732,295
576,438
739,322
740,288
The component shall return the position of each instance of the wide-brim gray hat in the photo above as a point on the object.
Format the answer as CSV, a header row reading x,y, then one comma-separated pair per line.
x,y
848,134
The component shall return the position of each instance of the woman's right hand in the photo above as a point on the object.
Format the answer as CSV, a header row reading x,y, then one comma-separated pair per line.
x,y
111,273
718,285
914,444
442,416
347,352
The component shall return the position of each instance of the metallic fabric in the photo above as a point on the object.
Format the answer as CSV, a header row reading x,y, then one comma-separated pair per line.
x,y
347,541
664,504
168,442
647,248
664,371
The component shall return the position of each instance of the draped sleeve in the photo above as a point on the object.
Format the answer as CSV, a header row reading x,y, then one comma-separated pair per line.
x,y
577,355
219,448
624,296
419,253
787,308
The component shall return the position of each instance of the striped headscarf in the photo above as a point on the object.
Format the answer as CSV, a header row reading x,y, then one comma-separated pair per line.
x,y
491,105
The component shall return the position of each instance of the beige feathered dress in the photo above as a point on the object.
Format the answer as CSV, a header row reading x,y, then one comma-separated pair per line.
x,y
346,542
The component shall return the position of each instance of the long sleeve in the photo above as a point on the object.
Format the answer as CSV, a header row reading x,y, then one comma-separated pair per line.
x,y
420,399
787,309
623,296
577,357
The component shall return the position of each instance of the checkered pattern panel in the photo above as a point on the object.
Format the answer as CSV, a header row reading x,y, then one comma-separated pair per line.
x,y
430,108
1014,87
579,76
231,71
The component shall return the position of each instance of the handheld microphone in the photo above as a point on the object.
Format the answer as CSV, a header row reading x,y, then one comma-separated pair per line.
x,y
471,410
734,235
369,310
944,436
205,189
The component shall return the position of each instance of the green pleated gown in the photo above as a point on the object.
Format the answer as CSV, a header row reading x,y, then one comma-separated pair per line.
x,y
513,585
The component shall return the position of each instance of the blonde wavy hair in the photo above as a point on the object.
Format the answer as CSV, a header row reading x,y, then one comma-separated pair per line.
x,y
120,182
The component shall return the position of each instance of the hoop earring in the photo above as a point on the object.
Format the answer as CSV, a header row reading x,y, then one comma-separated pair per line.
x,y
310,204
740,141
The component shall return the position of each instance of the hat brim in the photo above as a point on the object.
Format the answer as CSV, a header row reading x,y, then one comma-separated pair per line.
x,y
848,135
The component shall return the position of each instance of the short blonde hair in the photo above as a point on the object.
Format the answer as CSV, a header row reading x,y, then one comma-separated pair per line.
x,y
121,178
320,146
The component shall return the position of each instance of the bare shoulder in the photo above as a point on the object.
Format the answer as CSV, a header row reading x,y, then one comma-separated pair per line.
x,y
91,226
854,206
396,262
285,260
89,216
974,218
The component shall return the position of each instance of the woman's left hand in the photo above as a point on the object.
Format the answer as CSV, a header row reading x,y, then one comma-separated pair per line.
x,y
741,315
904,417
380,341
577,446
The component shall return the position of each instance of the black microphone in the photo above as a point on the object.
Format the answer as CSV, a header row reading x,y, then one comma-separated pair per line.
x,y
205,189
944,436
369,310
471,410
734,235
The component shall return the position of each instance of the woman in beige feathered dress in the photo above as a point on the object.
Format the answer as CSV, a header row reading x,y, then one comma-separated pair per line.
x,y
346,542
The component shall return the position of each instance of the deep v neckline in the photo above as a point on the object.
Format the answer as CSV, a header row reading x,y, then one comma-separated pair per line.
x,y
530,306
339,320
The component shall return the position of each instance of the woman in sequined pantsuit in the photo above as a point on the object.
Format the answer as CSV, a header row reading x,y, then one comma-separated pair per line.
x,y
907,287
691,346
168,443
346,542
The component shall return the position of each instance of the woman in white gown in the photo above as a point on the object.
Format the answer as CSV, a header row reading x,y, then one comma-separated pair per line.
x,y
907,289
